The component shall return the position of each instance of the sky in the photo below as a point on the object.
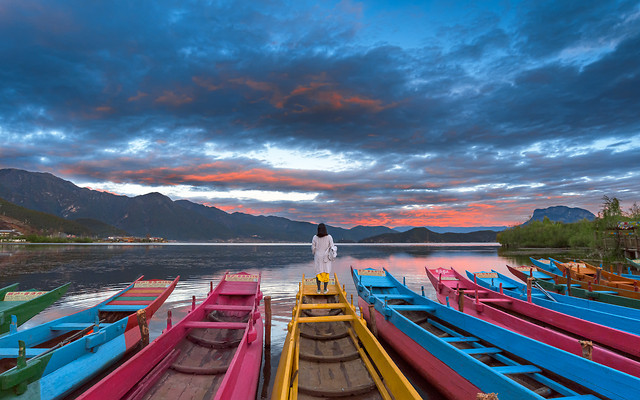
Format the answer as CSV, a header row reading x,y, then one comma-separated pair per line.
x,y
395,113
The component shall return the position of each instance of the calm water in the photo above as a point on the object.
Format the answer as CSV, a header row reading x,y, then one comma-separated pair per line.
x,y
99,271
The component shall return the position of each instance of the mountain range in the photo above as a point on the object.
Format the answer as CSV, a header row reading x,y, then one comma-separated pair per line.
x,y
452,229
154,214
157,215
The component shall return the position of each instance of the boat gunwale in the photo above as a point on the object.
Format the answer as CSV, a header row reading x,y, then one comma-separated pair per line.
x,y
286,382
484,330
143,363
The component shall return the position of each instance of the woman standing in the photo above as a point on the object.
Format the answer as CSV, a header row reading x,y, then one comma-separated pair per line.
x,y
320,246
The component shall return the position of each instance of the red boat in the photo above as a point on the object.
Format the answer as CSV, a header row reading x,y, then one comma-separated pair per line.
x,y
556,329
215,352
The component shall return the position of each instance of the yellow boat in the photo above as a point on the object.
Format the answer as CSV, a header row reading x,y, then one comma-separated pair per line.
x,y
329,352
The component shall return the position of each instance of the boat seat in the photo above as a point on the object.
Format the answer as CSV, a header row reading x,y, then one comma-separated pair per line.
x,y
578,397
395,296
235,292
517,369
323,306
482,350
326,318
215,325
227,307
379,287
12,352
412,307
507,301
460,339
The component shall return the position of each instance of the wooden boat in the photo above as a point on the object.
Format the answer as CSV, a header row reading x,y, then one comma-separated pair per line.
x,y
549,265
329,352
51,360
588,273
528,319
584,284
215,352
17,307
590,291
623,328
463,355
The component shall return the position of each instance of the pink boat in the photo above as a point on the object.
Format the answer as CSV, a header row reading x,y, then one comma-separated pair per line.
x,y
553,328
215,352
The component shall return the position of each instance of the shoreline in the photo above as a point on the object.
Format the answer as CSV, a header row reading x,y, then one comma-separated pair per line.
x,y
469,244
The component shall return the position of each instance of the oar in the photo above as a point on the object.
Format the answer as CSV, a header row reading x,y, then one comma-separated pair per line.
x,y
68,340
544,291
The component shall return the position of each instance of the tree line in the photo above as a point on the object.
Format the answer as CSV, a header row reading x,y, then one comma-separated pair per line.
x,y
581,234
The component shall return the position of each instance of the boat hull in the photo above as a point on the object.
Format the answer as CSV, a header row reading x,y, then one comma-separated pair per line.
x,y
329,352
56,366
215,352
556,283
470,347
533,325
438,373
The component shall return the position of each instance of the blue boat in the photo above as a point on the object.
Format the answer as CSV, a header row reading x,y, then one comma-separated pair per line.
x,y
605,307
587,309
51,360
463,356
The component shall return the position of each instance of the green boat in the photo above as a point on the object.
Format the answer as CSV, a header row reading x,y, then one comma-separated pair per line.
x,y
18,307
634,263
555,283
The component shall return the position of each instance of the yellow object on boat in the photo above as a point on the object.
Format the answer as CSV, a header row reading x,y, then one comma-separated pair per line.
x,y
329,351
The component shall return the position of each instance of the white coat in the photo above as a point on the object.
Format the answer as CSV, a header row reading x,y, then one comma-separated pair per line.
x,y
319,246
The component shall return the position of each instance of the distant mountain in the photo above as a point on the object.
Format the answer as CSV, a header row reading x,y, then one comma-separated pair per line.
x,y
157,215
31,222
424,235
561,214
453,229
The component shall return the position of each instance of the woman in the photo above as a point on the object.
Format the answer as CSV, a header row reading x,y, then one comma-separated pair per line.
x,y
320,246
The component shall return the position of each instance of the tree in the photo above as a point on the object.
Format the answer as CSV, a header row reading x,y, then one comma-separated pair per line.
x,y
610,208
634,211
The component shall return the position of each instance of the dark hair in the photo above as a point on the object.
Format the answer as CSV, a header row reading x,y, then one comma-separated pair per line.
x,y
322,230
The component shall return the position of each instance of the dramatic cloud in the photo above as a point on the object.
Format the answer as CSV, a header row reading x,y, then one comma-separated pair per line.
x,y
442,113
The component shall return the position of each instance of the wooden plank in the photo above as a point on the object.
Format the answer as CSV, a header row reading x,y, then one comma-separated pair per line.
x,y
215,325
226,307
482,350
460,339
506,301
385,296
412,307
327,318
517,369
322,306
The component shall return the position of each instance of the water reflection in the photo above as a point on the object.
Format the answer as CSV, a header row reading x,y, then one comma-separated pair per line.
x,y
99,271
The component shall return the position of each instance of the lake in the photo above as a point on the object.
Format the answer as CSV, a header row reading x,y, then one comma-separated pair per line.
x,y
97,271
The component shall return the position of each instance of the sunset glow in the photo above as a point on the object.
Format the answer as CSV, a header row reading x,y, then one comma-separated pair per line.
x,y
351,113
